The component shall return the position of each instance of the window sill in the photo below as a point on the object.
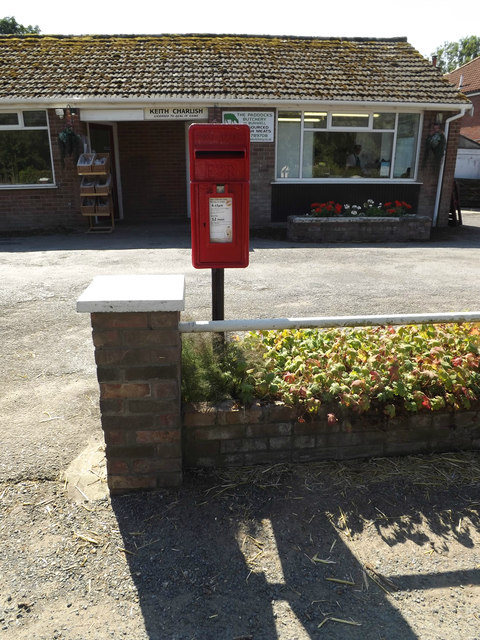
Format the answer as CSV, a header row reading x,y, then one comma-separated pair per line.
x,y
346,181
9,187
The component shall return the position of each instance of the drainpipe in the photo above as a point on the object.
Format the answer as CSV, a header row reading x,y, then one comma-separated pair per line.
x,y
442,166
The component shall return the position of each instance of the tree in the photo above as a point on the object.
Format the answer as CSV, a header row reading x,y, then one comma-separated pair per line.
x,y
452,55
10,25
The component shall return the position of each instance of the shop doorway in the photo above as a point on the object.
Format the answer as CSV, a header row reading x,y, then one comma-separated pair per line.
x,y
102,141
152,157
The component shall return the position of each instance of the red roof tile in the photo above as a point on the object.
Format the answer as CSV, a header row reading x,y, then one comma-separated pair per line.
x,y
468,76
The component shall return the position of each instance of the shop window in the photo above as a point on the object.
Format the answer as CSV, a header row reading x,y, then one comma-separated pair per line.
x,y
352,120
323,145
25,154
405,149
288,147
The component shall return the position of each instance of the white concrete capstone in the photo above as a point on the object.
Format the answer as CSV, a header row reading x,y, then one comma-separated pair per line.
x,y
130,293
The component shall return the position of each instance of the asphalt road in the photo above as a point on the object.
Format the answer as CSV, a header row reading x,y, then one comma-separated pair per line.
x,y
283,278
49,400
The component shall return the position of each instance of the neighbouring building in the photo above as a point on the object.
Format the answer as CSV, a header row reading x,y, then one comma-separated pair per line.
x,y
467,172
309,103
467,80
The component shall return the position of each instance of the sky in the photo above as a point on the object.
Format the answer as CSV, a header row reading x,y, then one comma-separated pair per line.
x,y
426,25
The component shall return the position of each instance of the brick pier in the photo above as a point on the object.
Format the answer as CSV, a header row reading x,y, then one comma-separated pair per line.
x,y
138,357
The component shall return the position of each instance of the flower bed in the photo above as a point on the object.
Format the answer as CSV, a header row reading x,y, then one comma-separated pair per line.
x,y
358,228
370,222
369,208
349,393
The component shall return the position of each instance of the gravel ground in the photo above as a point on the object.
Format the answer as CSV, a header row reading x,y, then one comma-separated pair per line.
x,y
385,549
246,555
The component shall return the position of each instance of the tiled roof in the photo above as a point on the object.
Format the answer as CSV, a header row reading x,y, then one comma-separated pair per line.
x,y
219,68
469,76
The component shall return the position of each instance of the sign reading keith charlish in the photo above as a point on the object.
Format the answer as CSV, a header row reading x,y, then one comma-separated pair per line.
x,y
261,123
176,112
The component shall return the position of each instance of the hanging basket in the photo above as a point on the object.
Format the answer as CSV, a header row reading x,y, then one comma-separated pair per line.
x,y
70,145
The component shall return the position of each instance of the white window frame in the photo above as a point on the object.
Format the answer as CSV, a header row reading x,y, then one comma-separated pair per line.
x,y
20,126
369,129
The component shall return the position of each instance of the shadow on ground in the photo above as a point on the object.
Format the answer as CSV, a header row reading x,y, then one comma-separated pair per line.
x,y
289,553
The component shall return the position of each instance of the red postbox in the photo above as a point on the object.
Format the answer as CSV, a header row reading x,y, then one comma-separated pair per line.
x,y
219,194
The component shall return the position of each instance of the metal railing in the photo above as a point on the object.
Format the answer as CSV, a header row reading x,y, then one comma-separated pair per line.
x,y
265,324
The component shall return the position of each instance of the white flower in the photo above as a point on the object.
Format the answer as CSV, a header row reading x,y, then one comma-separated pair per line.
x,y
346,207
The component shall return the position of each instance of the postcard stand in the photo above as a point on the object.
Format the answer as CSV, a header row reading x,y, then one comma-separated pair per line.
x,y
96,191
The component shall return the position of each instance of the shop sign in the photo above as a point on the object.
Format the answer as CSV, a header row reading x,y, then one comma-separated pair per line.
x,y
176,112
261,123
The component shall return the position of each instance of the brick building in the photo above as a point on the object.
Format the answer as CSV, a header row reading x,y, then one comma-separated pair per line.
x,y
308,101
467,80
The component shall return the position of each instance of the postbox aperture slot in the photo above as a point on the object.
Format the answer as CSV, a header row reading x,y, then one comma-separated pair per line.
x,y
208,154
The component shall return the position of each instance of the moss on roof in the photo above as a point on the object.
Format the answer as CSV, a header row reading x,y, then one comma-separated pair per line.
x,y
218,67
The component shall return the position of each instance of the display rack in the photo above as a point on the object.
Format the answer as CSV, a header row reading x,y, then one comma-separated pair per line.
x,y
96,192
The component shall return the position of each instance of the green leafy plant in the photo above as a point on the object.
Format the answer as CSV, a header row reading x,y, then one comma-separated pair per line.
x,y
377,370
381,370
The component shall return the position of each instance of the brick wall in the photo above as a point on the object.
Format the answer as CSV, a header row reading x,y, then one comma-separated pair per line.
x,y
273,434
138,370
429,171
46,207
470,123
262,174
404,229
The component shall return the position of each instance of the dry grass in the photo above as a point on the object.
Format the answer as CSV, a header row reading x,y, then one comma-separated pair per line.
x,y
437,470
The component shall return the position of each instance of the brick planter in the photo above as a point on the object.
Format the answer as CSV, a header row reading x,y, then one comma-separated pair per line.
x,y
150,438
222,437
402,229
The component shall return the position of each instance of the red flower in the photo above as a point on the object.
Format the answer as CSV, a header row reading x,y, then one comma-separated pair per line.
x,y
426,403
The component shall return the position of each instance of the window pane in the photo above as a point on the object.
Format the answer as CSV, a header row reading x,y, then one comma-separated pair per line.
x,y
347,155
315,120
25,157
384,121
288,144
406,147
8,119
350,119
35,118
